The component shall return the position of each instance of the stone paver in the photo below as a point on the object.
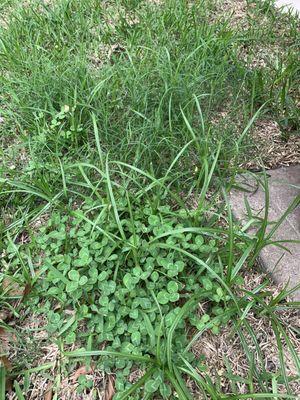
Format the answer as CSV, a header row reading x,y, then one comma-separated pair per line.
x,y
284,187
293,4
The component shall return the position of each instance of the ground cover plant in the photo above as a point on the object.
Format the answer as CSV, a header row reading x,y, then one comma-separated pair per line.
x,y
123,125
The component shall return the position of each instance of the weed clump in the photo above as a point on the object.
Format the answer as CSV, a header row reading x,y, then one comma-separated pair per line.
x,y
125,284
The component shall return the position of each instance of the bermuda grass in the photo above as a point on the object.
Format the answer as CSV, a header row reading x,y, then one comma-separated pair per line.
x,y
122,126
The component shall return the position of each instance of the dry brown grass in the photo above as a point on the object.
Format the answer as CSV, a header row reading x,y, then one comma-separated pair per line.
x,y
270,149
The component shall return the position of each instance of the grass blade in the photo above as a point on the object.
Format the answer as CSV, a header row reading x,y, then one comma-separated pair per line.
x,y
2,381
113,202
137,385
18,391
133,357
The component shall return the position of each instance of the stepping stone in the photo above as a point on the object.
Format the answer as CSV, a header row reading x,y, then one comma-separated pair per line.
x,y
284,188
294,5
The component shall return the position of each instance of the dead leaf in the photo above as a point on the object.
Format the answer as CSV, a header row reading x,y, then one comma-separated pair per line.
x,y
81,371
12,288
5,362
27,290
110,390
23,237
5,315
6,336
48,392
56,306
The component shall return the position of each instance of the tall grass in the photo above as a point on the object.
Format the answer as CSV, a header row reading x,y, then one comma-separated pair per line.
x,y
141,94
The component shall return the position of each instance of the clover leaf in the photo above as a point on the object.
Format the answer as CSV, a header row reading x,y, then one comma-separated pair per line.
x,y
153,220
102,276
74,275
152,385
199,240
136,338
83,280
71,286
129,281
165,390
155,276
174,297
163,297
83,257
172,287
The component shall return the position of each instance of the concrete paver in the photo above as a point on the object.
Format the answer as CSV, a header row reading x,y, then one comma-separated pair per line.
x,y
284,187
293,4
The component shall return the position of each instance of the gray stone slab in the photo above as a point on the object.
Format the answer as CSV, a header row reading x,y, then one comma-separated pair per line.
x,y
284,187
289,4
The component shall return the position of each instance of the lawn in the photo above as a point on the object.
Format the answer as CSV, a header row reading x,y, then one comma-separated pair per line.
x,y
123,125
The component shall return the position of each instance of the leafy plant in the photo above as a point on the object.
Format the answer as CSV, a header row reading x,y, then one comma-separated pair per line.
x,y
124,290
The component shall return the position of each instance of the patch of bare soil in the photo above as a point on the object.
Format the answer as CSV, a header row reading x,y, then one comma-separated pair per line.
x,y
16,156
267,147
106,53
234,10
270,148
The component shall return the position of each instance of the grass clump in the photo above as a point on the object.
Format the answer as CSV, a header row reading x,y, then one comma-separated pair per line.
x,y
151,67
